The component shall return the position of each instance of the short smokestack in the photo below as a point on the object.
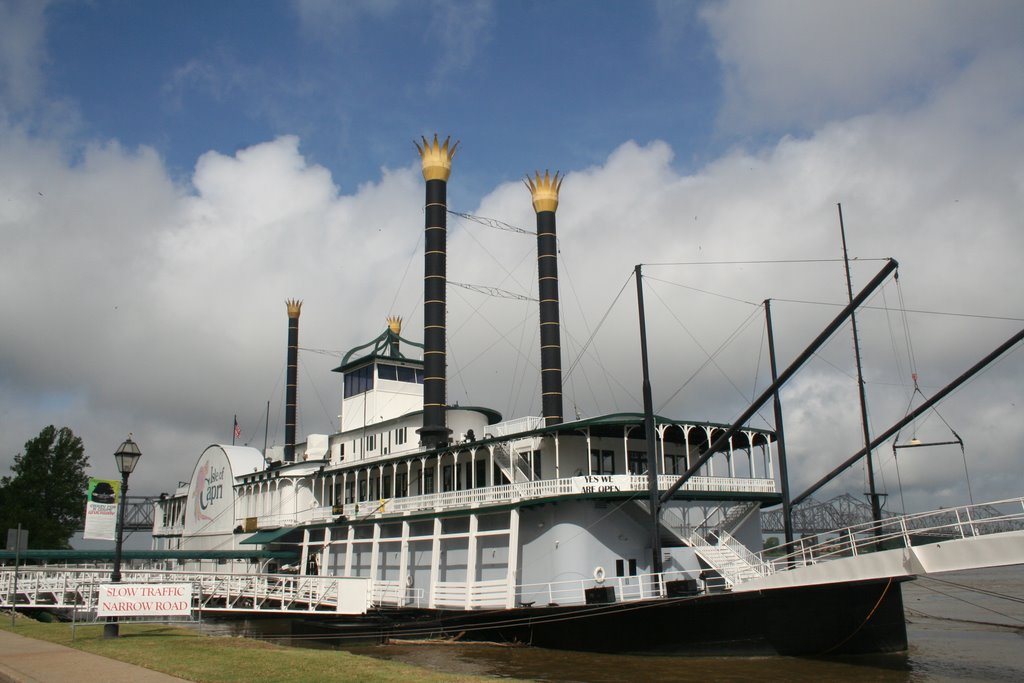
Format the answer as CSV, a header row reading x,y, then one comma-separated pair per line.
x,y
394,330
437,165
545,203
292,378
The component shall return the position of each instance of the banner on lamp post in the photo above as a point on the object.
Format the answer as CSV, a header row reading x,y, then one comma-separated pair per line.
x,y
101,509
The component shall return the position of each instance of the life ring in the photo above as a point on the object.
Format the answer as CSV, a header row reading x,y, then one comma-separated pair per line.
x,y
408,580
599,574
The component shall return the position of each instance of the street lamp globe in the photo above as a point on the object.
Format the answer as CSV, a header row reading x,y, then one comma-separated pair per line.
x,y
127,456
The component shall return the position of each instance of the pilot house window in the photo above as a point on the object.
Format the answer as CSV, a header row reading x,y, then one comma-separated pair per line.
x,y
358,381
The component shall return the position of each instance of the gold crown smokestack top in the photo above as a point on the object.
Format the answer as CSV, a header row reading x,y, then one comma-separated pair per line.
x,y
545,202
437,166
292,378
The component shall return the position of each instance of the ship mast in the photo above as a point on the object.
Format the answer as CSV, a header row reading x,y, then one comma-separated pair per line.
x,y
780,435
652,455
876,507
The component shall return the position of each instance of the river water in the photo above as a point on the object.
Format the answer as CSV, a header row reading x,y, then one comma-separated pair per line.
x,y
961,627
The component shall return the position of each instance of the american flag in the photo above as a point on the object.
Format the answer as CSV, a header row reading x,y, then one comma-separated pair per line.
x,y
238,430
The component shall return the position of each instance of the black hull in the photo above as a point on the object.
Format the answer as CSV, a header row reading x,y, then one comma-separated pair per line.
x,y
833,619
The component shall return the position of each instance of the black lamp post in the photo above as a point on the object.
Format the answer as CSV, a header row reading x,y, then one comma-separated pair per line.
x,y
127,456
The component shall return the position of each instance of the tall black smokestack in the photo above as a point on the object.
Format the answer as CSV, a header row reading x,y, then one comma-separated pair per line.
x,y
437,166
545,203
292,378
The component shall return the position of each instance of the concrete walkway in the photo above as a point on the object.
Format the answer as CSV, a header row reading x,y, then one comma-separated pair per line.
x,y
26,660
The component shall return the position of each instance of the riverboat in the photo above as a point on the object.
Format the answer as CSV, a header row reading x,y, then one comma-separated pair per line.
x,y
430,520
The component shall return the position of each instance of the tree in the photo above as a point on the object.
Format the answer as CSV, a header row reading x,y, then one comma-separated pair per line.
x,y
47,493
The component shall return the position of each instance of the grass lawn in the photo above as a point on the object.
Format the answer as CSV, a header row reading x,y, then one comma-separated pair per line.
x,y
188,654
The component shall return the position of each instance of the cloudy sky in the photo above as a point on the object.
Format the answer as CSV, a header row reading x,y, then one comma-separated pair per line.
x,y
170,173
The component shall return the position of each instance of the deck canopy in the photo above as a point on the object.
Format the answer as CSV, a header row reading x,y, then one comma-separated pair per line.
x,y
694,433
267,536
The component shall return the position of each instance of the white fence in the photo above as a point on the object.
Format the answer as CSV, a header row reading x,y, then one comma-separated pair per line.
x,y
65,587
966,521
512,493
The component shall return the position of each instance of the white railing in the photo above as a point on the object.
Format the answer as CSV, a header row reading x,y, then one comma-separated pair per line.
x,y
752,560
315,514
516,426
546,488
510,493
624,588
78,589
909,530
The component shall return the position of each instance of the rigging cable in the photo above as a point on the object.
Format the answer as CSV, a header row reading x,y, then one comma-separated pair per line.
x,y
710,356
912,358
567,377
590,340
491,223
412,256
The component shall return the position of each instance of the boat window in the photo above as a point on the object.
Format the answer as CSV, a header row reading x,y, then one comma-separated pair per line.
x,y
602,462
637,462
535,462
358,381
620,568
455,525
481,472
428,481
387,372
401,484
493,522
447,482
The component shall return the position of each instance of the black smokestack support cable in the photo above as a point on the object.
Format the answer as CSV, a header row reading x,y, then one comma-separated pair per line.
x,y
292,378
437,165
545,203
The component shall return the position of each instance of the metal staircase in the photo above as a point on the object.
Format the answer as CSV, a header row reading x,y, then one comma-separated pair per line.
x,y
715,545
512,465
730,558
736,515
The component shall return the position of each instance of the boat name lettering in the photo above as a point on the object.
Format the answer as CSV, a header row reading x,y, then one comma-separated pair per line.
x,y
213,490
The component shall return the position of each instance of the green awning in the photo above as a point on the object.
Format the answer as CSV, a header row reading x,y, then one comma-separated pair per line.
x,y
44,555
267,536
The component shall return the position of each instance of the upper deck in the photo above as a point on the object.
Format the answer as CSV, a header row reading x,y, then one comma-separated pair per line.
x,y
510,463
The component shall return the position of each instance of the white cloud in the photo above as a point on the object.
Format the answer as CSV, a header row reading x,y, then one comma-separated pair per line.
x,y
807,62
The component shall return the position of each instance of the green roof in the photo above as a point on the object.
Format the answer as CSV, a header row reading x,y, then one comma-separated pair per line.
x,y
614,425
267,536
45,555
